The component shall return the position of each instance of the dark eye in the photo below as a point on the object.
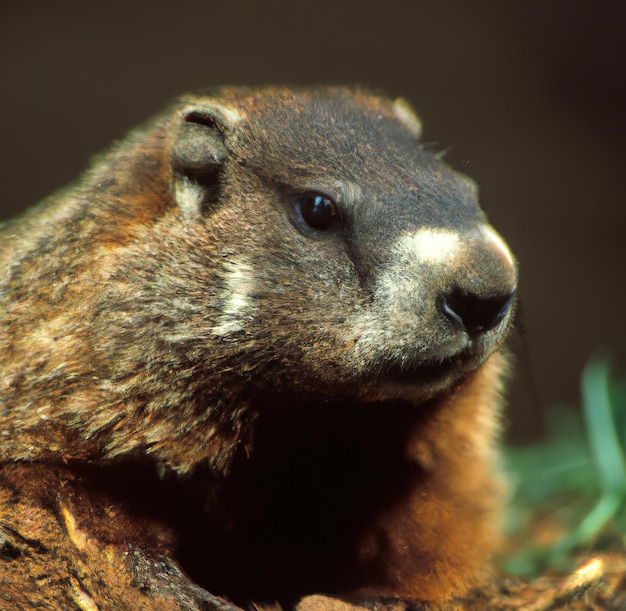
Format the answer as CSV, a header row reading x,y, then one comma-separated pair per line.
x,y
318,211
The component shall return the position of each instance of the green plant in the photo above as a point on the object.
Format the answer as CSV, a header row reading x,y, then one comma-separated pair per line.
x,y
571,488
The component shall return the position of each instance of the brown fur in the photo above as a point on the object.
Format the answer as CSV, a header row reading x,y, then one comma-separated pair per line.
x,y
199,393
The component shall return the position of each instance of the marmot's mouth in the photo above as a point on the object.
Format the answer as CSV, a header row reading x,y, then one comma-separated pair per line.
x,y
403,375
419,382
432,372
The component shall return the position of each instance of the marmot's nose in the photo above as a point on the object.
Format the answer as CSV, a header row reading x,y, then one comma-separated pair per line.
x,y
476,314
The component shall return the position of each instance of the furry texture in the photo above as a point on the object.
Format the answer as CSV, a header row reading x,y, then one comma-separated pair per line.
x,y
207,379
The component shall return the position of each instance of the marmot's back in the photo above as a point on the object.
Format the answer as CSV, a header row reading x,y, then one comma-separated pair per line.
x,y
277,287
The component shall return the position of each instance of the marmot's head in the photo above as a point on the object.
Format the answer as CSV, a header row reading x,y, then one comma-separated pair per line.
x,y
360,262
253,242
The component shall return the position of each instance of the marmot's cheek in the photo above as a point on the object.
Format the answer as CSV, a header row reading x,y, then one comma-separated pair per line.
x,y
237,306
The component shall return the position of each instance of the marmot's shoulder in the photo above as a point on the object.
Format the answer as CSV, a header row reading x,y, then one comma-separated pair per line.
x,y
287,315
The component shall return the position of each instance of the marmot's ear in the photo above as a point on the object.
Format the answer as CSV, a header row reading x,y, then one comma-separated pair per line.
x,y
406,115
198,149
198,154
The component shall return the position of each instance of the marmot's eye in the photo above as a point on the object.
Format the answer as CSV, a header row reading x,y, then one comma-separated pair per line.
x,y
318,211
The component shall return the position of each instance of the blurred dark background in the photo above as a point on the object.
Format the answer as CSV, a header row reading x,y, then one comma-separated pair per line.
x,y
528,97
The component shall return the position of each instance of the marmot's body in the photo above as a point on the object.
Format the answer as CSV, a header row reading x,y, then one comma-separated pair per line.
x,y
258,342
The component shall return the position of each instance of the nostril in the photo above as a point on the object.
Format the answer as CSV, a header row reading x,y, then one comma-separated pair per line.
x,y
476,314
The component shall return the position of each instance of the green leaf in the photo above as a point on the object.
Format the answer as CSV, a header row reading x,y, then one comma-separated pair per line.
x,y
604,439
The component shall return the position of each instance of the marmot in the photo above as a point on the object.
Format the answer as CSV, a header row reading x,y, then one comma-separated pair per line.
x,y
253,355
